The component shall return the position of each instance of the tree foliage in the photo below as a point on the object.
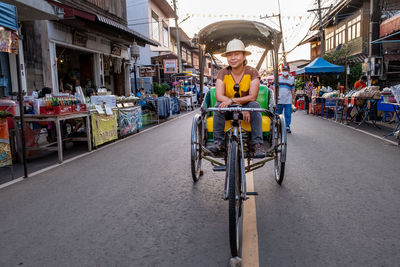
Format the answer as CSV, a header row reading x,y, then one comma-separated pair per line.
x,y
341,56
160,89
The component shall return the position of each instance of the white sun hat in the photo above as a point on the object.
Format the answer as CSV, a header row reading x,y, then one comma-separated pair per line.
x,y
234,46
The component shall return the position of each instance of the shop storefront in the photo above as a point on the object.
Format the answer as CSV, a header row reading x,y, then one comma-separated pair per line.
x,y
8,49
9,44
88,60
85,50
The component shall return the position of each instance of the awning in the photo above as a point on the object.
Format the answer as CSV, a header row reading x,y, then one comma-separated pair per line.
x,y
71,11
392,38
389,26
182,36
139,38
29,10
360,58
8,16
320,66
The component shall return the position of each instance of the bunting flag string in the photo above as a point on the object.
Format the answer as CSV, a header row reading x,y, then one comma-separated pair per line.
x,y
210,15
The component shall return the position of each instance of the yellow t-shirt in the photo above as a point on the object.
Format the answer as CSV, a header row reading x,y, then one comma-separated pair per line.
x,y
249,75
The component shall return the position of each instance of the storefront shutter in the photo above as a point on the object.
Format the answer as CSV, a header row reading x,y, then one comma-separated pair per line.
x,y
8,16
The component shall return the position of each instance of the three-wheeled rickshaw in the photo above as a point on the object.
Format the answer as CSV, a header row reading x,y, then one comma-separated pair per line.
x,y
238,159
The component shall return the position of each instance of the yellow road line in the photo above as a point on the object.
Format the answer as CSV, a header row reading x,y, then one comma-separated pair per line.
x,y
250,256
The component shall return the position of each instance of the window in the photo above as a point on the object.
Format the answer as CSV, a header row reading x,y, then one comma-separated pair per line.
x,y
329,41
340,35
165,36
354,28
189,59
195,61
154,26
184,53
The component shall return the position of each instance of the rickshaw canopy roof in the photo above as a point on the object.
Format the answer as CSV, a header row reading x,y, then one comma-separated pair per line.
x,y
216,36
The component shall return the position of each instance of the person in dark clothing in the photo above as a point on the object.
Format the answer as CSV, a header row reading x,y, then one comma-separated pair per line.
x,y
45,91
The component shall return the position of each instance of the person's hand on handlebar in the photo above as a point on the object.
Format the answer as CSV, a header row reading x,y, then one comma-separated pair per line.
x,y
225,104
246,115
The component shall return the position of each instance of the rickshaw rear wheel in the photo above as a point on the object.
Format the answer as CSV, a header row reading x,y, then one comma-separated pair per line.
x,y
195,155
280,150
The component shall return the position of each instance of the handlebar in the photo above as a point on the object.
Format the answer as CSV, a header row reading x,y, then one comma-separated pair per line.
x,y
240,109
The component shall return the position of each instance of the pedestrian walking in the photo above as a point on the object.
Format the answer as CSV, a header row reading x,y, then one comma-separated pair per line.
x,y
205,89
286,96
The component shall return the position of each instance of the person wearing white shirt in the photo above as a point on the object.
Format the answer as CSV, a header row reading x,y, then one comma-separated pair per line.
x,y
205,89
286,96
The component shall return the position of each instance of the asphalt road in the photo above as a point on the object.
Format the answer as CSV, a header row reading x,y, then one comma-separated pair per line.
x,y
134,204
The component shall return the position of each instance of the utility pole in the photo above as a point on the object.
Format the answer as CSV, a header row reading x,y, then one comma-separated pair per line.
x,y
321,29
178,45
283,41
280,27
373,49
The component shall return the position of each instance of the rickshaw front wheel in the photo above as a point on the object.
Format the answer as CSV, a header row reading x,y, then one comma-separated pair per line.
x,y
196,141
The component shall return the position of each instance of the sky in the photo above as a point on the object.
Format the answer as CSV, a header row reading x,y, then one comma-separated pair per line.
x,y
295,19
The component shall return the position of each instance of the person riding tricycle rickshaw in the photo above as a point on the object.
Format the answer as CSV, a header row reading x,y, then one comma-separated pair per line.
x,y
238,84
237,122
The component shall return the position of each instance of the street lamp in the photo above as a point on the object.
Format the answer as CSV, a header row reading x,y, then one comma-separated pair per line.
x,y
135,54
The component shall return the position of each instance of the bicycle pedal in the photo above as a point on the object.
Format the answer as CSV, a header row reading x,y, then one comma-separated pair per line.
x,y
219,168
252,193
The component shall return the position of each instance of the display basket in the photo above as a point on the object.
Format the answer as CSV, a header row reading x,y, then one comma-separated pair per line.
x,y
55,110
79,108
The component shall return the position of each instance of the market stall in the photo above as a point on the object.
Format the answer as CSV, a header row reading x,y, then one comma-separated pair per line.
x,y
155,109
392,100
129,120
104,127
5,148
185,89
9,49
114,117
31,120
360,106
322,105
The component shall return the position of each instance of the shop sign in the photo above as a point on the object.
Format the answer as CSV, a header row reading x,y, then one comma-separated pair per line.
x,y
8,41
79,39
148,71
116,50
170,66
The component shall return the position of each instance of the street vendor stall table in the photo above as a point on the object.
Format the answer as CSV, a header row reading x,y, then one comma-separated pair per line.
x,y
104,127
129,120
5,148
334,104
57,119
188,101
396,107
364,108
156,109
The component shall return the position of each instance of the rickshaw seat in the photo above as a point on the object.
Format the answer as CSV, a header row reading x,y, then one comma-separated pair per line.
x,y
262,99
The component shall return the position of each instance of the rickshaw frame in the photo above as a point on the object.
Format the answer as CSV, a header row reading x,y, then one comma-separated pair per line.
x,y
213,39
